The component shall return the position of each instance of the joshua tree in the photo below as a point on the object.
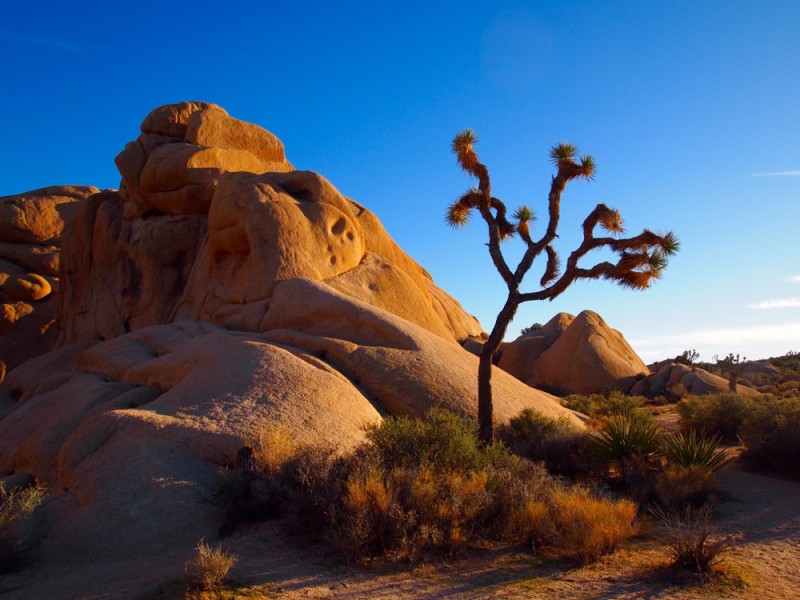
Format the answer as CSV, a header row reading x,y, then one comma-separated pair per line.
x,y
640,259
688,357
733,366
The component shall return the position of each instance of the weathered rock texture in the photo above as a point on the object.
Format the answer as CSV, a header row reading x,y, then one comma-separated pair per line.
x,y
678,379
219,293
574,355
181,241
31,226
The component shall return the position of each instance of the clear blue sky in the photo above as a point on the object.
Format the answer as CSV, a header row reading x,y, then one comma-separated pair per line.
x,y
691,110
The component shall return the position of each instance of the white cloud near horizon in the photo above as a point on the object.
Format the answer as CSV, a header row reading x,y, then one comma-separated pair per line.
x,y
777,174
793,279
711,341
779,303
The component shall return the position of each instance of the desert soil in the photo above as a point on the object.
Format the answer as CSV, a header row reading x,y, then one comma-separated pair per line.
x,y
764,511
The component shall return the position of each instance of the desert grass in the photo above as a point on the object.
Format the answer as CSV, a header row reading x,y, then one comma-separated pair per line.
x,y
275,446
584,527
208,569
16,505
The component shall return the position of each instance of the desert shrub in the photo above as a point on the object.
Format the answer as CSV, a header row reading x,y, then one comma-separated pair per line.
x,y
16,506
679,486
368,519
584,527
770,435
446,502
563,448
599,406
430,487
691,540
715,414
209,567
632,446
316,475
517,489
442,439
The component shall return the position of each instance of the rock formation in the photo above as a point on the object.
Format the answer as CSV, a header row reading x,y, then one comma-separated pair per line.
x,y
670,377
574,355
211,239
31,226
218,293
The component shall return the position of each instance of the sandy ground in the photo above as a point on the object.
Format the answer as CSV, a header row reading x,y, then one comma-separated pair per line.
x,y
275,564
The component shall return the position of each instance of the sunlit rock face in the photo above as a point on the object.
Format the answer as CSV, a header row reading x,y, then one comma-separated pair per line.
x,y
574,355
217,294
210,239
670,377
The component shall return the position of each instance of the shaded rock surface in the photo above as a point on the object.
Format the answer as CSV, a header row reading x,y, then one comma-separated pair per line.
x,y
574,355
31,228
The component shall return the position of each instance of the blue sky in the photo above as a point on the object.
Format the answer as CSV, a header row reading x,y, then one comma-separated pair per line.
x,y
690,109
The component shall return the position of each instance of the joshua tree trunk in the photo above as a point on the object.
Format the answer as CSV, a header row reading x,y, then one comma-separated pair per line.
x,y
489,349
732,382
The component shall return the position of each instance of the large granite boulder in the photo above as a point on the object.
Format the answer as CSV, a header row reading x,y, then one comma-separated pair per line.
x,y
174,165
215,248
574,355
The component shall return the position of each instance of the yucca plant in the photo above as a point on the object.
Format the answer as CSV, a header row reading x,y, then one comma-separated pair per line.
x,y
689,449
640,259
633,444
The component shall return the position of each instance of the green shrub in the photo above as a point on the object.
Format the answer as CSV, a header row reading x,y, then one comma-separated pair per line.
x,y
443,440
716,414
599,406
770,435
563,448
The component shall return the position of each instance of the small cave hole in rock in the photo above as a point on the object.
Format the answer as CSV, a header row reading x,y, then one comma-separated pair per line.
x,y
338,227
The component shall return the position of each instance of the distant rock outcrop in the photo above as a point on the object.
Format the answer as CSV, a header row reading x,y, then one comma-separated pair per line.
x,y
218,293
31,226
574,355
672,378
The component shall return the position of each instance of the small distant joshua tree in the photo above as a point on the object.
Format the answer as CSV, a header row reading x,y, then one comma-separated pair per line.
x,y
688,357
732,365
640,259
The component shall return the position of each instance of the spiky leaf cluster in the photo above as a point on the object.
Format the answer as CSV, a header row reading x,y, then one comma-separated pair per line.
x,y
563,156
